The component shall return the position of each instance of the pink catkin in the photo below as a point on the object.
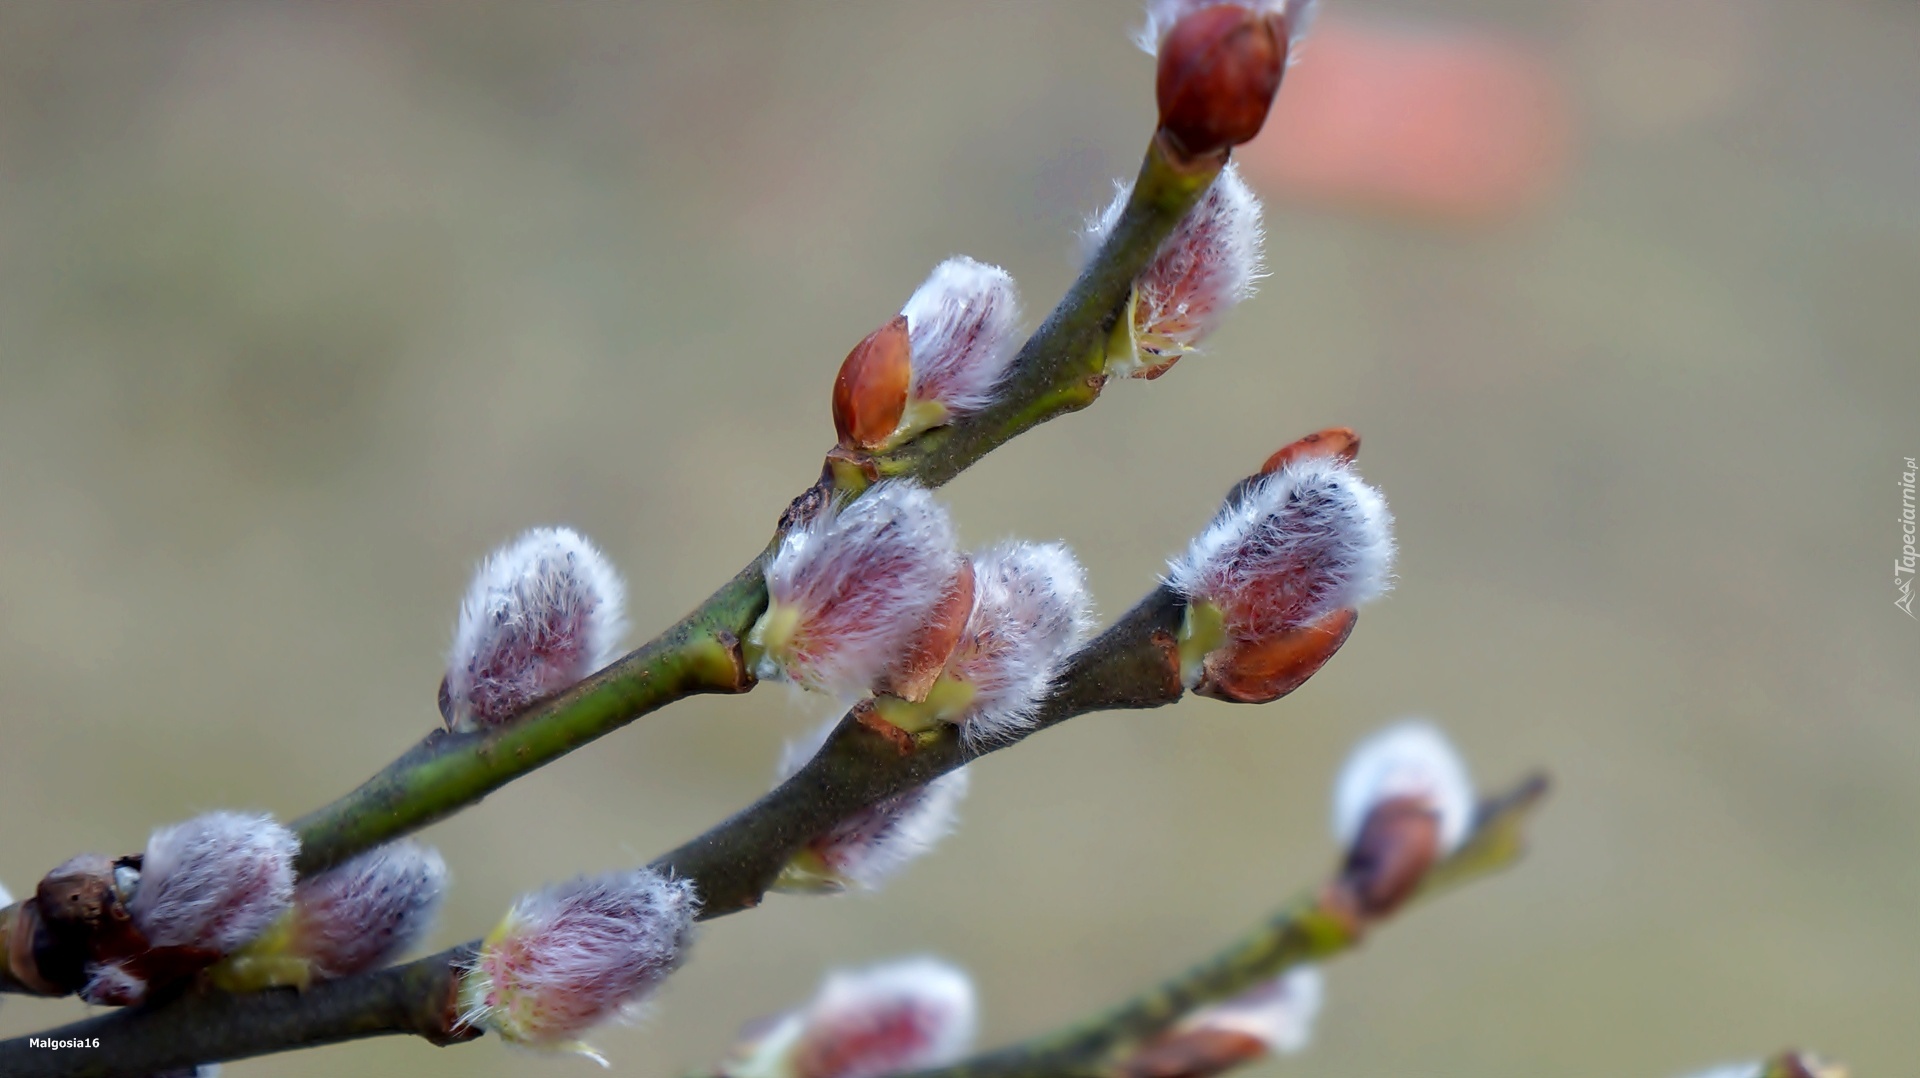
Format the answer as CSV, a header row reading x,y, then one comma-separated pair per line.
x,y
215,881
863,582
1031,609
1293,546
961,324
888,1019
541,613
369,910
1202,271
580,953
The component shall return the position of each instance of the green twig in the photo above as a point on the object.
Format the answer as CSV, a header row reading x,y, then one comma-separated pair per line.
x,y
1308,929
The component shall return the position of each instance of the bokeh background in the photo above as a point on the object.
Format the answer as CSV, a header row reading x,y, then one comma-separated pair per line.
x,y
303,308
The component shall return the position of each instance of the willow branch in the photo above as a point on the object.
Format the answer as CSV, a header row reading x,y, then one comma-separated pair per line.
x,y
1312,928
1131,665
1058,370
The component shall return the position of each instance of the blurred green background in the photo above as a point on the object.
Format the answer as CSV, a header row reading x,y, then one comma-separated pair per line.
x,y
303,308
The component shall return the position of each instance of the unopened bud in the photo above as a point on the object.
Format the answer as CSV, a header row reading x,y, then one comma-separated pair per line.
x,y
918,666
1206,267
1272,583
853,593
1403,801
1264,670
870,394
869,847
573,956
1031,610
356,916
902,1016
1274,1017
1219,70
962,320
542,613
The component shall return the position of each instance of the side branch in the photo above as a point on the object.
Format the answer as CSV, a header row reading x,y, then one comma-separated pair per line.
x,y
1312,928
1131,665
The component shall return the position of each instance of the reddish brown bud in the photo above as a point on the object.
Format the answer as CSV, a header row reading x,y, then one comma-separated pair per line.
x,y
927,656
1219,70
1261,671
1340,443
1398,844
1194,1053
870,395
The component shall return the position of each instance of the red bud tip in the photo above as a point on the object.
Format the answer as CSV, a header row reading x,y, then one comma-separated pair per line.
x,y
913,676
1219,69
1398,844
870,395
1262,671
1340,443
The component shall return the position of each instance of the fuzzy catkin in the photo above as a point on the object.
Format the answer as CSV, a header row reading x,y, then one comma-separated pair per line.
x,y
1411,759
215,881
541,613
572,956
1295,545
961,323
1031,610
859,583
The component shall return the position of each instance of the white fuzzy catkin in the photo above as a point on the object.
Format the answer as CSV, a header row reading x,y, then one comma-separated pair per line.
x,y
1031,609
1294,546
868,848
542,613
1411,759
1203,270
961,326
858,585
572,956
1278,1013
1733,1070
369,910
900,1016
1162,14
215,881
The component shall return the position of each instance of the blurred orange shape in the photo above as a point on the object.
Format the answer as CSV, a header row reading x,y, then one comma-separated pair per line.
x,y
1449,124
